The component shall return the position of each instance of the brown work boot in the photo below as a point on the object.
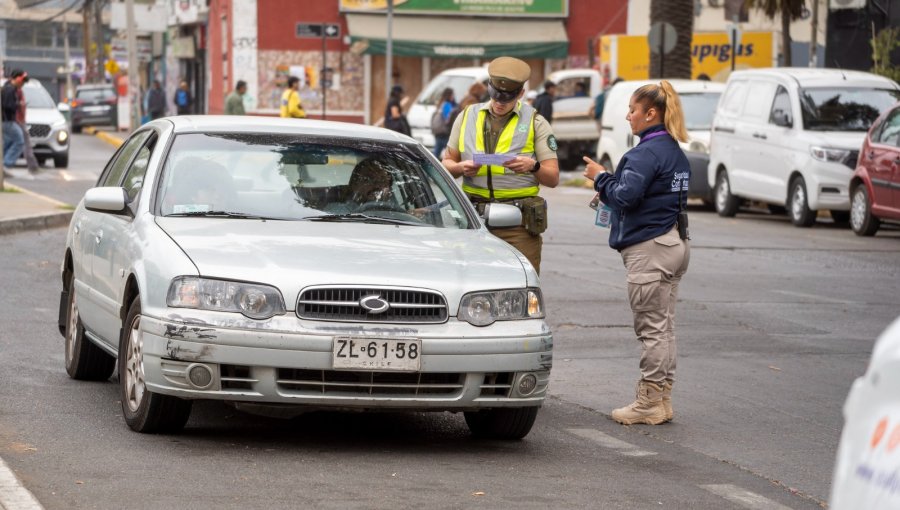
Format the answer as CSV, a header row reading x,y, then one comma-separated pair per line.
x,y
667,400
647,409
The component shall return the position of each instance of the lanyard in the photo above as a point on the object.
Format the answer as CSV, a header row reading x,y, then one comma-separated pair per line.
x,y
652,135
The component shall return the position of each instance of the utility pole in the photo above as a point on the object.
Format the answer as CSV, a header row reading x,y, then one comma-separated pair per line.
x,y
134,85
389,50
2,169
68,57
98,34
89,71
813,35
324,74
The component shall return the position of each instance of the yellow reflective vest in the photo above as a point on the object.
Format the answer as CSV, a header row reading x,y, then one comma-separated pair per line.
x,y
517,139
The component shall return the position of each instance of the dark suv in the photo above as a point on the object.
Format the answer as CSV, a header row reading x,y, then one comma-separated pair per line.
x,y
94,105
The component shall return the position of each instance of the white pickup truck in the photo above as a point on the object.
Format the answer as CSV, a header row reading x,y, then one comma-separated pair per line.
x,y
575,129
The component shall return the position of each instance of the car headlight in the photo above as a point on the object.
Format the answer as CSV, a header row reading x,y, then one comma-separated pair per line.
x,y
253,300
484,308
830,155
698,146
62,136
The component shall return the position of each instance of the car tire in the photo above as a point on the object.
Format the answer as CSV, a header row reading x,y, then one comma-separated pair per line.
x,y
84,360
144,410
726,203
840,217
61,160
41,160
76,128
862,221
502,423
798,206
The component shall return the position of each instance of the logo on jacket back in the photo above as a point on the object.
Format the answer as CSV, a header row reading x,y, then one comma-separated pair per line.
x,y
680,181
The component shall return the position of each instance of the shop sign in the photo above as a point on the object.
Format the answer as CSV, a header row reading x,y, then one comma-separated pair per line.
x,y
530,8
183,47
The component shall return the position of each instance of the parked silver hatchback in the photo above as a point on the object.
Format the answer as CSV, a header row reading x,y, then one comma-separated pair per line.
x,y
267,262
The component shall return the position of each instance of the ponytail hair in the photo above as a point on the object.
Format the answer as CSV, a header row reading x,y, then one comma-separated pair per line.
x,y
665,100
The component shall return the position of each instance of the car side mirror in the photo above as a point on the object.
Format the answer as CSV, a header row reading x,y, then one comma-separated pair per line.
x,y
782,118
106,199
502,215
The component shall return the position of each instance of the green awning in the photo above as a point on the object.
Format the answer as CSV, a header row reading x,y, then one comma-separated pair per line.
x,y
443,37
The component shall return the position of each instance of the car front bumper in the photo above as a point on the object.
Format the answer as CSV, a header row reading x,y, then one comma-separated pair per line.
x,y
276,367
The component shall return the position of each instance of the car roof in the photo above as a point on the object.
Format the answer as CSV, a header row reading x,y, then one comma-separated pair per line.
x,y
818,77
277,125
680,86
466,71
564,74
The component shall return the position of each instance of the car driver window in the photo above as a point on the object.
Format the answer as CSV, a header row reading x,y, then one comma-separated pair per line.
x,y
134,178
112,176
890,131
781,108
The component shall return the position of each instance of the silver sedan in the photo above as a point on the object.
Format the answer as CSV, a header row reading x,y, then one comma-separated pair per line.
x,y
266,262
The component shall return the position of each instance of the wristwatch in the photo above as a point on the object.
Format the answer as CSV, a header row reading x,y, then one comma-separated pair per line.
x,y
536,167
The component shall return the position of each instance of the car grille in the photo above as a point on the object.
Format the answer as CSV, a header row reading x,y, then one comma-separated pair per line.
x,y
345,383
38,130
343,304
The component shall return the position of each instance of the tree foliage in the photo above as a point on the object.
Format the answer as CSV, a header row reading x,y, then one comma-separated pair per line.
x,y
787,11
883,44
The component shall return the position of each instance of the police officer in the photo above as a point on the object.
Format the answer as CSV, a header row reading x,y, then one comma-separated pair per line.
x,y
507,125
647,195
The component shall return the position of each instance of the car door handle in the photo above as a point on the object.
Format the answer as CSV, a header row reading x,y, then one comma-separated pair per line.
x,y
761,136
98,236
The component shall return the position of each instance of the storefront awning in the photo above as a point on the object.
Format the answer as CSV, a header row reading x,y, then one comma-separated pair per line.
x,y
444,37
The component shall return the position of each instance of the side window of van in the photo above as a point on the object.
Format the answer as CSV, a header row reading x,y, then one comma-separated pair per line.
x,y
781,109
759,101
734,99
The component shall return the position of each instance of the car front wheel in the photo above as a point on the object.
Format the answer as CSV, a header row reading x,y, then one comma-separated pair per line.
x,y
84,360
144,410
862,221
726,203
801,214
502,423
61,160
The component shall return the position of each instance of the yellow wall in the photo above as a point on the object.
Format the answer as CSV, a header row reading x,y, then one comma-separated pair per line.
x,y
711,55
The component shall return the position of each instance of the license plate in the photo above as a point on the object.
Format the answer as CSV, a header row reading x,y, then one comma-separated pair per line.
x,y
96,109
400,354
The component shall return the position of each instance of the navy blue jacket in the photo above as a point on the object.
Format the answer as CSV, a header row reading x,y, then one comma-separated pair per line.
x,y
644,192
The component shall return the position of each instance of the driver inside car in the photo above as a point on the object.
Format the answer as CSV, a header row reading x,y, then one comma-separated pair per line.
x,y
371,182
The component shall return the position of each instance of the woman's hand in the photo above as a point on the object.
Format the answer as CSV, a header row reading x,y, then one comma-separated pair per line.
x,y
520,164
592,169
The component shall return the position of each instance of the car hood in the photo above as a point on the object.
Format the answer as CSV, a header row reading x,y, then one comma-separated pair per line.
x,y
43,116
293,255
850,140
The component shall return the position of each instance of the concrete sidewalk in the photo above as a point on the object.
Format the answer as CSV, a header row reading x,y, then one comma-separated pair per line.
x,y
22,210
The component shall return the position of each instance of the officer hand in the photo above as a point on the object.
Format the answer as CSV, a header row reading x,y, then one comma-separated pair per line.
x,y
469,168
520,164
592,168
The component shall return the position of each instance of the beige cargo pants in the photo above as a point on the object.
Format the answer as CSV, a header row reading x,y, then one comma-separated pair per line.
x,y
655,268
530,245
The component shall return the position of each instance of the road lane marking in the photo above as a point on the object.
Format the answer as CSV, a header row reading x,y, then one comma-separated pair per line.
x,y
607,441
13,495
743,497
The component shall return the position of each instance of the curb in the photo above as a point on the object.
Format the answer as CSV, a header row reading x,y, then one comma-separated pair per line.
x,y
109,138
18,224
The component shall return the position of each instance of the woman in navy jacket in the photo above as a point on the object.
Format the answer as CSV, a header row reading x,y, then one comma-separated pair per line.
x,y
646,194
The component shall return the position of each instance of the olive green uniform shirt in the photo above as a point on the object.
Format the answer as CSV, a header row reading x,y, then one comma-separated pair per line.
x,y
234,104
542,134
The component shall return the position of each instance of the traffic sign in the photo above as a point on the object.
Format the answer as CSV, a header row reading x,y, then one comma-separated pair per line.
x,y
318,30
662,37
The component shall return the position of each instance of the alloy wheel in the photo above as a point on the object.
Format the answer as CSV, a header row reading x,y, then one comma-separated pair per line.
x,y
71,329
134,366
722,193
858,209
798,202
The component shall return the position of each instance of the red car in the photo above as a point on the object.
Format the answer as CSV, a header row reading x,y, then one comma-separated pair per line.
x,y
875,186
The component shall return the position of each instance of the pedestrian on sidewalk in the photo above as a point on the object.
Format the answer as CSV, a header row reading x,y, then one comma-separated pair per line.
x,y
27,150
440,121
183,101
13,137
543,103
394,118
234,103
290,100
645,198
156,101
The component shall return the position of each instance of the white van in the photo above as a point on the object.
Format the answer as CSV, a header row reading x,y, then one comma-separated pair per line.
x,y
459,79
791,137
698,100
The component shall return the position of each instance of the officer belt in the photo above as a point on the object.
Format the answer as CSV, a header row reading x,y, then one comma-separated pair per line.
x,y
481,202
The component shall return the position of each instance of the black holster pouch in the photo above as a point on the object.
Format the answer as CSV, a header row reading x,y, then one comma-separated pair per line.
x,y
534,214
683,232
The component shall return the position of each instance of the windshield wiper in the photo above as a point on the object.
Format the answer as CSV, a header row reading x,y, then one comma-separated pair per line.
x,y
360,217
224,214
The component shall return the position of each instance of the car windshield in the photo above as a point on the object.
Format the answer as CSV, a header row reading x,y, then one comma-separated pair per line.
x,y
432,94
37,97
844,109
699,110
290,177
93,94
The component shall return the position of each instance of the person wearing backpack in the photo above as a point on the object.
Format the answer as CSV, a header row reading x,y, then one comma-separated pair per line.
x,y
440,121
183,99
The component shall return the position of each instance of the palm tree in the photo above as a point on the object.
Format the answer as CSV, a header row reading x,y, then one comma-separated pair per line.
x,y
680,15
789,10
